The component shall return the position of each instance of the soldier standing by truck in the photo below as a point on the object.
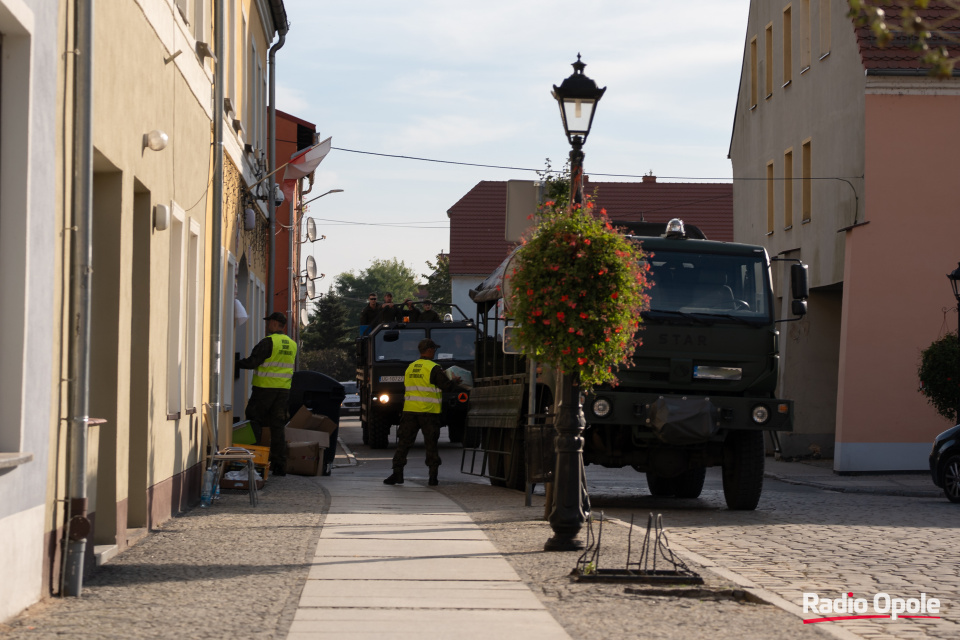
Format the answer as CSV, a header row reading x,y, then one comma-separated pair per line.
x,y
423,383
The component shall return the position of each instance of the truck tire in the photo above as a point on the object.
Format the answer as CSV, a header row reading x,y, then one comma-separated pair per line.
x,y
743,458
689,484
659,486
456,426
379,431
364,431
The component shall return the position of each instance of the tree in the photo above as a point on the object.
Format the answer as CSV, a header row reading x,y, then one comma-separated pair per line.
x,y
329,325
939,379
438,280
928,27
380,277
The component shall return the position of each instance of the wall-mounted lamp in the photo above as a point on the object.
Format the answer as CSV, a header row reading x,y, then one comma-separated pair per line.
x,y
161,217
249,219
156,140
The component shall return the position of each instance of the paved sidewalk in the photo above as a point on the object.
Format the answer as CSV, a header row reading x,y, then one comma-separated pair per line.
x,y
820,474
406,561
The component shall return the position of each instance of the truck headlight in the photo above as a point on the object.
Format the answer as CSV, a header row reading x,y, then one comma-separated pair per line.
x,y
384,398
601,407
760,414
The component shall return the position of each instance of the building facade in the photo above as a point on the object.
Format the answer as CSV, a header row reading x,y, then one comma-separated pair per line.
x,y
825,171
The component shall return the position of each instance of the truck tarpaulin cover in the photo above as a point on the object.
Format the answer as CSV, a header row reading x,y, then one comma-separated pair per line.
x,y
683,420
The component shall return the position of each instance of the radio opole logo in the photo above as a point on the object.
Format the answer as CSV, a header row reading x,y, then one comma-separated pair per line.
x,y
882,605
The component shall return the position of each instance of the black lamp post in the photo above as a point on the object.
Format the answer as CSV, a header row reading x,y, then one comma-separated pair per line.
x,y
954,277
577,96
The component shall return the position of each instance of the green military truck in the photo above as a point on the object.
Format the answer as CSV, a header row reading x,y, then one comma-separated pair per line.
x,y
382,359
701,389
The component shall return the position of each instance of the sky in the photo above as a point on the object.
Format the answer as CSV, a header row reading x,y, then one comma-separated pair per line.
x,y
471,82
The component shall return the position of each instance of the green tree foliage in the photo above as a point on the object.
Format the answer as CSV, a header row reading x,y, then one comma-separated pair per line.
x,y
889,19
940,376
330,325
439,288
338,363
380,277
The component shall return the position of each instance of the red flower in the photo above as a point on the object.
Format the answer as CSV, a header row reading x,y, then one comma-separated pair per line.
x,y
581,361
570,330
563,298
560,316
579,349
586,241
614,295
583,315
529,292
546,322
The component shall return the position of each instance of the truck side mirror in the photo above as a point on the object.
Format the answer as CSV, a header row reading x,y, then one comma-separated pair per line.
x,y
798,284
799,307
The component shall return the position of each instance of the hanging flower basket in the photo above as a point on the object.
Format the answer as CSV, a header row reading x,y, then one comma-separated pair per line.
x,y
577,288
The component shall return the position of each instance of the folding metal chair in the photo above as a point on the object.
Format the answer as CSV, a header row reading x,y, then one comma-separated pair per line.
x,y
222,457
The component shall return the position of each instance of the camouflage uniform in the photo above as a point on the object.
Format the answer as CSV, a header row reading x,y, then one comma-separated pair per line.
x,y
410,424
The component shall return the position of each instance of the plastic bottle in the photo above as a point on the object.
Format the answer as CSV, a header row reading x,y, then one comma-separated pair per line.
x,y
207,493
216,495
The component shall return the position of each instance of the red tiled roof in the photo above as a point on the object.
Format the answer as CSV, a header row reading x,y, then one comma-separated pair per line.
x,y
897,54
477,220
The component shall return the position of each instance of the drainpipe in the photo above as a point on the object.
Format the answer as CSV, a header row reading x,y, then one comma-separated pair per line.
x,y
81,252
272,142
216,230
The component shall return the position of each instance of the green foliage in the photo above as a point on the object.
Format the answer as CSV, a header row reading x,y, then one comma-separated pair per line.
x,y
577,290
439,288
904,19
940,376
338,363
330,324
380,277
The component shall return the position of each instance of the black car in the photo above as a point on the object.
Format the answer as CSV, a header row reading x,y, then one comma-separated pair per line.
x,y
945,463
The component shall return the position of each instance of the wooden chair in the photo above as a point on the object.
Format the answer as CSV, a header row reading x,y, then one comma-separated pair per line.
x,y
222,457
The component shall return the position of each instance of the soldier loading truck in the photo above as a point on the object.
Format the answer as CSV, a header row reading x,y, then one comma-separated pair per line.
x,y
699,393
382,358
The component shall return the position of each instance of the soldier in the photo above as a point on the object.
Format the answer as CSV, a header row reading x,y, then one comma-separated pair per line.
x,y
273,359
369,314
423,383
428,314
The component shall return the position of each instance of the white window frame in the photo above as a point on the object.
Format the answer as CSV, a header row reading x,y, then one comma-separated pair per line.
x,y
16,79
194,316
175,290
227,341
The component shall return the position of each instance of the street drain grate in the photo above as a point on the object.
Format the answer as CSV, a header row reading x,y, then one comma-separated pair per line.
x,y
654,551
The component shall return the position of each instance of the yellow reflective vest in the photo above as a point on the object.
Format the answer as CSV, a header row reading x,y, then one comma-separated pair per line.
x,y
277,371
419,396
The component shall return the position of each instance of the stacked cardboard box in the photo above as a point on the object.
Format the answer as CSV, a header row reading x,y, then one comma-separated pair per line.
x,y
307,435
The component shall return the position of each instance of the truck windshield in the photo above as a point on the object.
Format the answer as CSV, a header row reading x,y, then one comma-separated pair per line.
x,y
734,287
403,348
455,344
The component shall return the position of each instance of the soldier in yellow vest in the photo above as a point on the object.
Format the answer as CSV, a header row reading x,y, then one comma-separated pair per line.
x,y
423,384
273,360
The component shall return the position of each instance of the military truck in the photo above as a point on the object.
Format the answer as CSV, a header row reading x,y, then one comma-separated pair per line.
x,y
700,391
382,359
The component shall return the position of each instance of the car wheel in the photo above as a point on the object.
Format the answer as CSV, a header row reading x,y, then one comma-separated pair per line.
x,y
950,478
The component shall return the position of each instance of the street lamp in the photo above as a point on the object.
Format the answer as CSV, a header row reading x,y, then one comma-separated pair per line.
x,y
954,278
577,96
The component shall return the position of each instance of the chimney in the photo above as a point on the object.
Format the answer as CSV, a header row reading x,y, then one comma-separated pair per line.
x,y
649,177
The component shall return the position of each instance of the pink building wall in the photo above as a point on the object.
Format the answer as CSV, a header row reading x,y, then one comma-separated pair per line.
x,y
895,285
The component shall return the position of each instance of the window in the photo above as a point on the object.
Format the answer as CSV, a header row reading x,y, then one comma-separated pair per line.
x,y
753,72
788,189
804,35
231,54
175,290
194,318
249,101
17,157
227,347
807,186
200,21
770,204
824,28
787,45
768,61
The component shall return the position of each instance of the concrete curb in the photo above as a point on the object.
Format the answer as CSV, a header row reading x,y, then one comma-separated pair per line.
x,y
879,491
350,455
744,583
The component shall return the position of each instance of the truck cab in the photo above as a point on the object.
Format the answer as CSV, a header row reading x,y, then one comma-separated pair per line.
x,y
383,356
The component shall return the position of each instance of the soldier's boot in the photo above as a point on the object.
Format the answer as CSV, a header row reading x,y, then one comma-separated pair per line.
x,y
433,477
396,477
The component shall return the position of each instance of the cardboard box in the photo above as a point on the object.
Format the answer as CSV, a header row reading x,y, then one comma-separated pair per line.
x,y
321,438
303,458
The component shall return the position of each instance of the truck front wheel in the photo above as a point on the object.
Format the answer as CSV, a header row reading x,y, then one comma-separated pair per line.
x,y
365,431
455,426
743,458
379,429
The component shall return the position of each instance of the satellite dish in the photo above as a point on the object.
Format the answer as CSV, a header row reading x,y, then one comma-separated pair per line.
x,y
311,230
311,290
311,267
304,317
